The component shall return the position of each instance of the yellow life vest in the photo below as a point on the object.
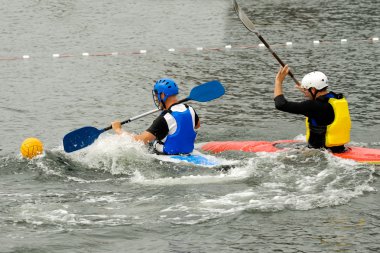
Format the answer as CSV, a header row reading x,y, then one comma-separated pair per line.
x,y
338,132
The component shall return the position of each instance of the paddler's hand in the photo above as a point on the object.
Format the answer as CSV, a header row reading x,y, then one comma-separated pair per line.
x,y
116,126
279,80
282,74
281,77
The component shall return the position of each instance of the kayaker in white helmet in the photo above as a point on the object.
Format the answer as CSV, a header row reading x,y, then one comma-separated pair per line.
x,y
328,122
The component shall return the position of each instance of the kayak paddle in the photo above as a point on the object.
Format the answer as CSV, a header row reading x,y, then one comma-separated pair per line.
x,y
85,136
251,27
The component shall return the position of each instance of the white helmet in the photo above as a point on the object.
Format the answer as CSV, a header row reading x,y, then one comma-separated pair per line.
x,y
314,79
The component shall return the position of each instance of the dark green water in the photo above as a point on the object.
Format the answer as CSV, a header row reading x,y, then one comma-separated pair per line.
x,y
114,196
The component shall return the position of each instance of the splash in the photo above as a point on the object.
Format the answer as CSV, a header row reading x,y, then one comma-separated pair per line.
x,y
112,153
274,182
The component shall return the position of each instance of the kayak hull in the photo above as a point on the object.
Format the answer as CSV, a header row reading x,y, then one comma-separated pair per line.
x,y
359,154
363,155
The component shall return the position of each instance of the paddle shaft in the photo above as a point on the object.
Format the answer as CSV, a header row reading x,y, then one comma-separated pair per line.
x,y
249,25
141,115
276,56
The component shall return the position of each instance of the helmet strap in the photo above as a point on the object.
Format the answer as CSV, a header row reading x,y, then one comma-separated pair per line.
x,y
158,100
313,95
163,100
163,104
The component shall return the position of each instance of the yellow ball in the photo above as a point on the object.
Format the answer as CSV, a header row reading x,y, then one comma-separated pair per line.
x,y
31,147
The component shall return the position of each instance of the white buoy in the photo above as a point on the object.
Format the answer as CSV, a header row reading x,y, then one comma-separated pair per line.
x,y
228,46
316,42
199,48
85,54
375,39
56,55
25,56
343,41
142,51
171,49
261,45
289,43
114,53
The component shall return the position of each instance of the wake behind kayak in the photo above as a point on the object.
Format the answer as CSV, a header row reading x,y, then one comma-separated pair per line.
x,y
358,154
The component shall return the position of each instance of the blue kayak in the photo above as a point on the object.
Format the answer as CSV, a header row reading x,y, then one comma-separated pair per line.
x,y
194,159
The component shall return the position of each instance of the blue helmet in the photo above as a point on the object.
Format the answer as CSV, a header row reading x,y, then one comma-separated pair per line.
x,y
166,86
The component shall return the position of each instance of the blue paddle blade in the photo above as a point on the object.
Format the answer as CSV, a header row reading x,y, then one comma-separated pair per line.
x,y
80,138
207,91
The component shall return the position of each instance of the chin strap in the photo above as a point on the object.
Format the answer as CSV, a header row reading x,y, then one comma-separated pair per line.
x,y
163,104
312,94
159,100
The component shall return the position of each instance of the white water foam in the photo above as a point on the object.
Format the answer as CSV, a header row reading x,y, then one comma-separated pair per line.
x,y
108,152
186,180
300,137
279,185
120,154
38,215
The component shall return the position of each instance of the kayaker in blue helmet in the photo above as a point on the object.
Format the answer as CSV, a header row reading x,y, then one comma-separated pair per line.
x,y
173,131
328,122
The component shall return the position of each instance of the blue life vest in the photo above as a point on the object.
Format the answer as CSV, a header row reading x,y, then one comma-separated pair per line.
x,y
182,140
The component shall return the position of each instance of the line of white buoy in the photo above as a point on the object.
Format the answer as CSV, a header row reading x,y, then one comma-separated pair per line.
x,y
226,47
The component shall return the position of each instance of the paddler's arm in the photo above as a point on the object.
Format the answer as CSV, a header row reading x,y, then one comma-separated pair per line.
x,y
198,125
284,105
197,121
145,136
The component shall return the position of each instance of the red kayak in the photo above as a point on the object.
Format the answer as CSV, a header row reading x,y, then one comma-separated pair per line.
x,y
363,155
